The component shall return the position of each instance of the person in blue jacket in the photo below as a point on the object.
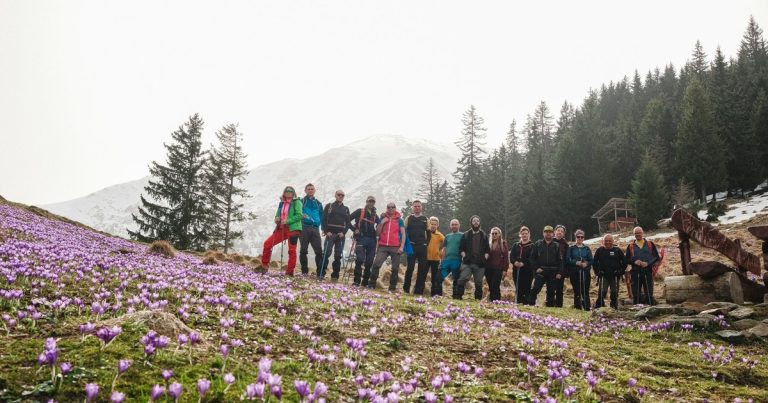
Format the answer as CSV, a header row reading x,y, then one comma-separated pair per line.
x,y
579,261
310,230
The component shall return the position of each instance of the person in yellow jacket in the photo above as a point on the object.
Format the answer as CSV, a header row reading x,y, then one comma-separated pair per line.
x,y
434,256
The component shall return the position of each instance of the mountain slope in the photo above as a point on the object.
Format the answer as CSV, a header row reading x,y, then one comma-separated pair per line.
x,y
386,166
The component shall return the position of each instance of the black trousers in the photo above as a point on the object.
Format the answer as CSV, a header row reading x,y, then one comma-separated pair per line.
x,y
547,277
310,236
335,243
365,250
603,284
493,277
420,256
437,277
642,279
581,281
523,278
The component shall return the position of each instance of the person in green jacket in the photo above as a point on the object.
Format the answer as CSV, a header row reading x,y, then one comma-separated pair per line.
x,y
288,219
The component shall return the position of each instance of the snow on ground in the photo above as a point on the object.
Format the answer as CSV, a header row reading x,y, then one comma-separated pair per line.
x,y
742,211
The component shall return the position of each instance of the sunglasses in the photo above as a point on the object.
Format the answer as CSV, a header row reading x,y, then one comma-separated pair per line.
x,y
340,194
579,236
370,201
391,207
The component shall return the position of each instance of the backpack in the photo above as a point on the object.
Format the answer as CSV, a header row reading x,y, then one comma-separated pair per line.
x,y
651,246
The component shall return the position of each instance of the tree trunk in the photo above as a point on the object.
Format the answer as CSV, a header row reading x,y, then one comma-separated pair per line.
x,y
726,287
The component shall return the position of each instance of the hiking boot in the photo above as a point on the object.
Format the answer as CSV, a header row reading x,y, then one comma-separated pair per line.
x,y
260,268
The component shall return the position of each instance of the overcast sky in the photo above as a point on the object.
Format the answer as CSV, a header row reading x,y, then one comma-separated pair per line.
x,y
89,91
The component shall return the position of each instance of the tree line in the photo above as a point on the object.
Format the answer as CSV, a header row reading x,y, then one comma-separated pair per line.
x,y
669,138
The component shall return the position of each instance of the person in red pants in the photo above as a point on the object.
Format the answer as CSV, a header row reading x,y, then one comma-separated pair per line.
x,y
288,219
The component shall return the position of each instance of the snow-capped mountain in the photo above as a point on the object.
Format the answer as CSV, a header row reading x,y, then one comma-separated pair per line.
x,y
388,167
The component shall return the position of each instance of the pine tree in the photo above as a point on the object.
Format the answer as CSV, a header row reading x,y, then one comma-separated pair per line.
x,y
471,144
648,196
698,65
698,146
682,195
759,131
177,212
225,170
657,131
430,181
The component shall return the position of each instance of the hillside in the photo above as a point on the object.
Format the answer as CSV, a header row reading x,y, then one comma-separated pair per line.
x,y
117,317
384,166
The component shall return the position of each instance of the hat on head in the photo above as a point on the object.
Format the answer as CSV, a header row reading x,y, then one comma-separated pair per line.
x,y
548,228
289,189
370,198
560,226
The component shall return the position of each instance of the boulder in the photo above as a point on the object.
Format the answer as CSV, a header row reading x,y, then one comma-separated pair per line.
x,y
663,310
699,321
761,330
744,324
716,311
608,312
728,306
741,313
732,336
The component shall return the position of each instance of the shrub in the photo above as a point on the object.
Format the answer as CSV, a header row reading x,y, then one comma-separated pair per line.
x,y
209,260
162,248
237,258
715,210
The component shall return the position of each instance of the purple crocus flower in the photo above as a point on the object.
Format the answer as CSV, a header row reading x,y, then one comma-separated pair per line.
x,y
302,388
320,389
632,382
174,391
117,397
229,378
569,391
91,390
65,368
156,393
265,365
254,390
167,374
123,366
430,397
277,391
202,386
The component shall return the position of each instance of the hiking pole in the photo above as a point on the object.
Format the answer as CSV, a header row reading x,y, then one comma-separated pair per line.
x,y
517,284
325,255
282,245
648,290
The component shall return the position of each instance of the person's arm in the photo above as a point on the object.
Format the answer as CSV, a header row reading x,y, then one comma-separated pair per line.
x,y
622,261
560,265
654,255
534,258
324,223
319,212
628,256
506,256
402,239
589,258
379,226
570,261
596,263
298,214
277,214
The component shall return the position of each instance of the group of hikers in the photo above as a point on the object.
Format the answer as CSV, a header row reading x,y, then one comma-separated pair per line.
x,y
461,255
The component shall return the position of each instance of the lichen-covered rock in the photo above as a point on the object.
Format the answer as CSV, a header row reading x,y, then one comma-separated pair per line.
x,y
741,313
663,310
732,336
744,324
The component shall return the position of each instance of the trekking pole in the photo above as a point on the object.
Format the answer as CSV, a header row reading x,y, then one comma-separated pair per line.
x,y
325,255
517,285
648,290
282,245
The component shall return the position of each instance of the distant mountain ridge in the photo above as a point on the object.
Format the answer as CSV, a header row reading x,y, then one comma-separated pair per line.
x,y
388,167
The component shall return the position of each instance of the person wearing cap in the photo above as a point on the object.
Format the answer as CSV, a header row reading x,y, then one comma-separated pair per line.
x,y
334,225
579,261
391,233
562,243
474,248
288,218
364,222
609,266
548,264
310,228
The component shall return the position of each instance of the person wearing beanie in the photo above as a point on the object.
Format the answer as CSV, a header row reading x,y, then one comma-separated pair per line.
x,y
288,219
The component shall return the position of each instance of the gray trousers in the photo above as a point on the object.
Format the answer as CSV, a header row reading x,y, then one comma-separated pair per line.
x,y
465,272
382,253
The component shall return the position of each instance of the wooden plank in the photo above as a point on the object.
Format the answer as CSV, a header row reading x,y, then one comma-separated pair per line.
x,y
725,287
707,235
709,269
760,231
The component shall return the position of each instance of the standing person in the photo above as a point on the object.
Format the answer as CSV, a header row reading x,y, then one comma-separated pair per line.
x,y
434,255
335,225
451,254
310,228
546,260
562,244
474,248
364,222
579,261
522,271
416,226
642,254
391,233
287,226
498,264
609,266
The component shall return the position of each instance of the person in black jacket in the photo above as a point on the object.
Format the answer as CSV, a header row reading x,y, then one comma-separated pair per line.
x,y
474,248
417,228
609,266
548,263
335,225
364,222
563,244
522,271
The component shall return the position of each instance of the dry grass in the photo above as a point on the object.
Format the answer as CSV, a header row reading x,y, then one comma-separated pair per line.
x,y
210,260
237,258
162,248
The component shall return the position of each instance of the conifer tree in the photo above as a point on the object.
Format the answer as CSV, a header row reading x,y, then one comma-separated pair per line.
x,y
225,171
177,210
648,196
698,146
472,147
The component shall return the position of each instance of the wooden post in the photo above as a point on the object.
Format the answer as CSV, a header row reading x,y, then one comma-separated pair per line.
x,y
685,252
725,287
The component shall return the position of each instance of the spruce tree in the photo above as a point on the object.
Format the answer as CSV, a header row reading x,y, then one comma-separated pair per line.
x,y
648,196
225,171
177,210
472,148
698,147
698,65
430,180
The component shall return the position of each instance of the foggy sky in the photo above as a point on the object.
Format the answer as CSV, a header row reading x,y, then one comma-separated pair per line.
x,y
90,90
